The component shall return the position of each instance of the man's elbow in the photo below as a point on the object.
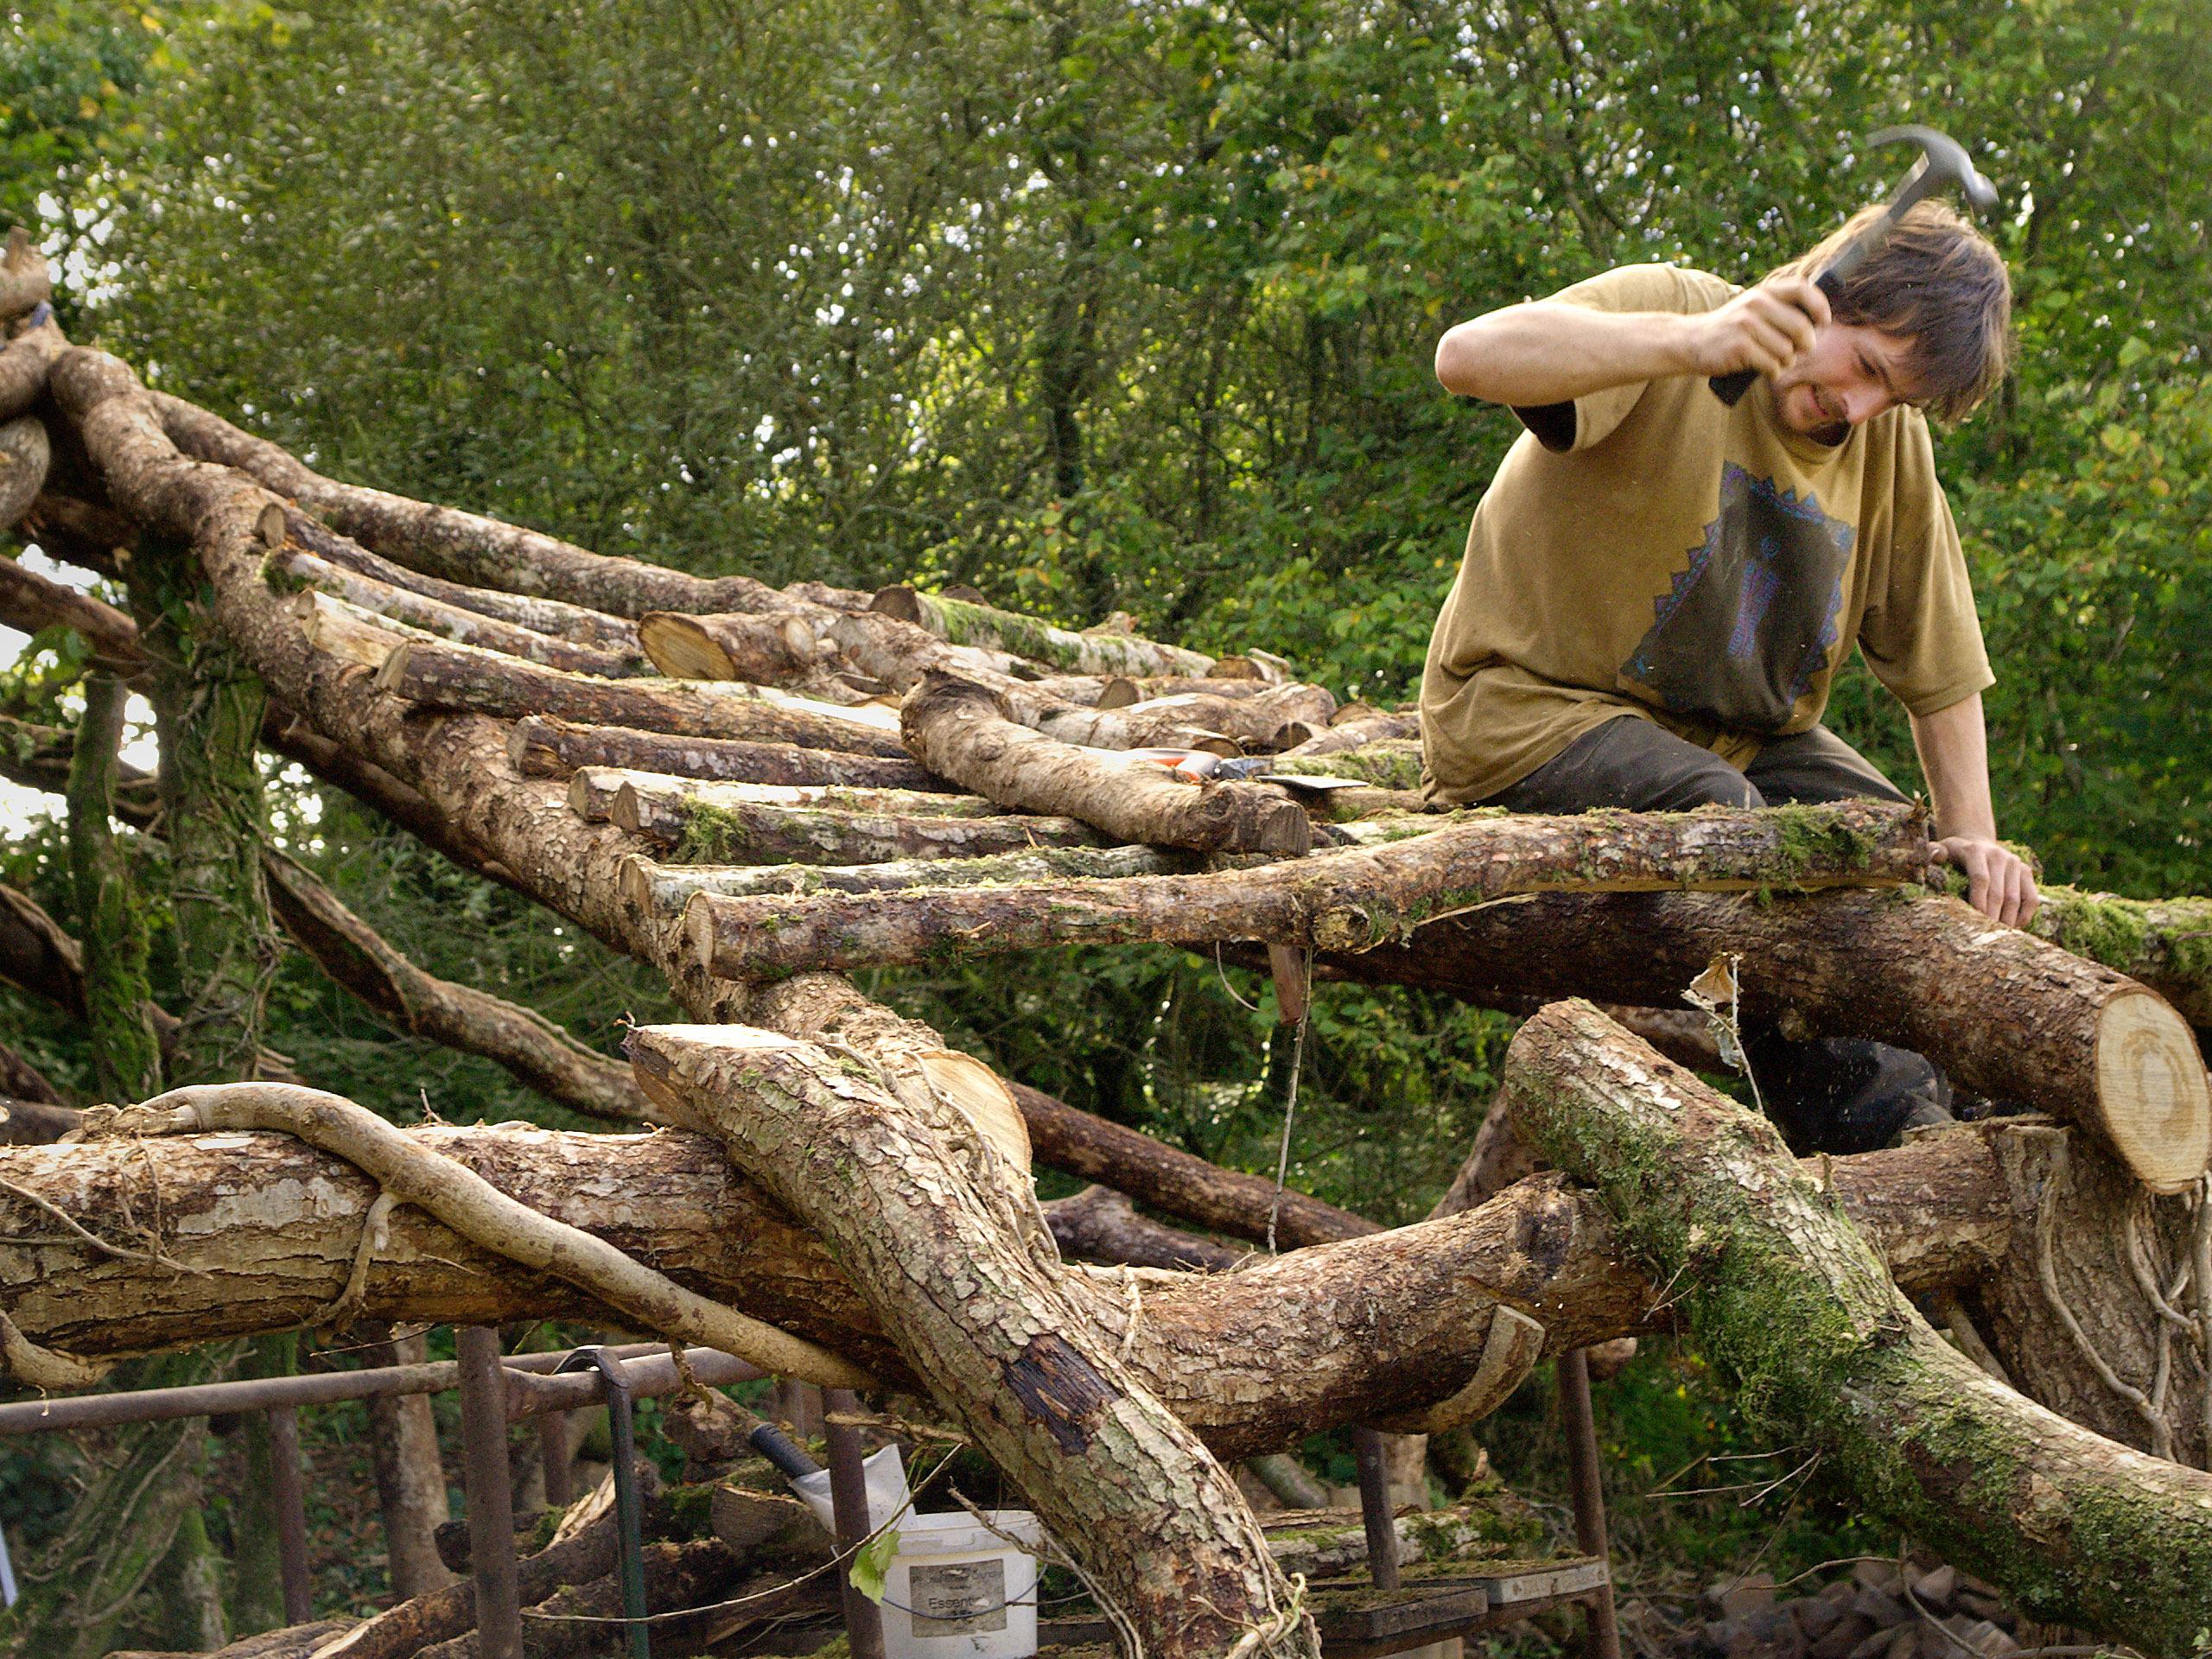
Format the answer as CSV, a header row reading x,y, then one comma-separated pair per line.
x,y
1458,362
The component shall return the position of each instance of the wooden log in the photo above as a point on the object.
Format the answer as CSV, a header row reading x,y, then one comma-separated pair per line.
x,y
1171,1179
1107,1468
554,748
24,279
24,457
29,601
464,627
2164,942
466,547
1392,764
716,824
263,1233
1359,733
965,732
654,888
1344,899
25,362
2003,1012
1783,1293
576,623
1219,725
764,650
24,1087
968,624
1099,1224
528,1046
662,800
453,677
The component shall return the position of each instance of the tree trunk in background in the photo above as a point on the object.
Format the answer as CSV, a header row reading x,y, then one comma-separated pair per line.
x,y
411,1478
118,1000
257,1573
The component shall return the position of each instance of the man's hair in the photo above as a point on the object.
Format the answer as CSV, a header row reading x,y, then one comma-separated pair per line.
x,y
1938,282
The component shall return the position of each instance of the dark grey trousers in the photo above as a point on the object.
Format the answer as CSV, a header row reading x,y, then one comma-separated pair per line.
x,y
1833,1093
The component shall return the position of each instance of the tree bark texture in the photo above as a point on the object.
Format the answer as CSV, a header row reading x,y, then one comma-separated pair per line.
x,y
1099,652
24,362
1786,1295
24,279
30,602
1130,1492
2165,943
575,623
653,888
208,710
1099,1224
411,1478
698,827
24,457
464,627
554,748
264,1234
114,991
964,731
1340,900
2001,1011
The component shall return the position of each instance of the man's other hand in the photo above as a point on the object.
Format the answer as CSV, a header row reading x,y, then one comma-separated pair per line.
x,y
1766,327
2000,884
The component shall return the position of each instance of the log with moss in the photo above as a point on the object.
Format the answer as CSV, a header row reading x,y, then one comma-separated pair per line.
x,y
1342,899
965,623
2165,943
1786,1295
654,888
2003,1012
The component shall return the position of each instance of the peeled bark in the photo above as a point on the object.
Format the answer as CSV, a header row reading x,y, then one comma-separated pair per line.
x,y
964,731
1783,1293
1126,1488
2001,1012
1347,899
1097,652
531,1048
464,547
554,748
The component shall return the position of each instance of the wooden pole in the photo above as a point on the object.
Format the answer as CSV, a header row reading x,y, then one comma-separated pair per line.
x,y
1576,1419
849,1502
491,1500
288,1481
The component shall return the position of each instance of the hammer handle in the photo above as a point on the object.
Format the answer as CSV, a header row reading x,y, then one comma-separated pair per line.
x,y
1729,388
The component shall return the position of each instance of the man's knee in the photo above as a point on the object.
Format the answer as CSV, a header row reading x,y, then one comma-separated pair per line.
x,y
1634,764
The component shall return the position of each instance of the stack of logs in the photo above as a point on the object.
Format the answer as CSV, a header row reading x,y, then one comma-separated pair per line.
x,y
818,777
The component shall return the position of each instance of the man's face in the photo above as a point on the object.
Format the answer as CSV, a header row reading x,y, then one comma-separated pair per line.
x,y
1851,373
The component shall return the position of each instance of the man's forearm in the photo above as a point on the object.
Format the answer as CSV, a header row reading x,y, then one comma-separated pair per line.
x,y
1548,352
1954,754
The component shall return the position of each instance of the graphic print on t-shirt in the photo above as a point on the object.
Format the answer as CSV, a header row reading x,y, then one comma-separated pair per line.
x,y
1740,635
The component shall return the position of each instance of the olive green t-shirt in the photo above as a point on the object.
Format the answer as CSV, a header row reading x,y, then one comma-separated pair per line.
x,y
1685,563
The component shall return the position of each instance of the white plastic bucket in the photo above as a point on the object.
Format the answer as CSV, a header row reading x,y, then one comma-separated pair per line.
x,y
957,1589
886,1489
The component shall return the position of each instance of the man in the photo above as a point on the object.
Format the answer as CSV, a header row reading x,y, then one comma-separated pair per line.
x,y
1658,588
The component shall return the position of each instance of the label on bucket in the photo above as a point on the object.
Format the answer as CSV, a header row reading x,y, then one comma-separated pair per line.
x,y
958,1597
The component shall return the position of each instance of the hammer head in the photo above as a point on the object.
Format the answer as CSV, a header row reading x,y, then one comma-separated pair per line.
x,y
1942,161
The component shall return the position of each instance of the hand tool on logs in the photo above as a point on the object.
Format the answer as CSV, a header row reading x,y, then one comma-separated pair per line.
x,y
1943,162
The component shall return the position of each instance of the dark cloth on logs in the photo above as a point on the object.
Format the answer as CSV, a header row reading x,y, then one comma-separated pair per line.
x,y
1833,1094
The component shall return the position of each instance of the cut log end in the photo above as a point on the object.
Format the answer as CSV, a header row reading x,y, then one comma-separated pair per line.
x,y
698,924
2151,1092
682,649
899,601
